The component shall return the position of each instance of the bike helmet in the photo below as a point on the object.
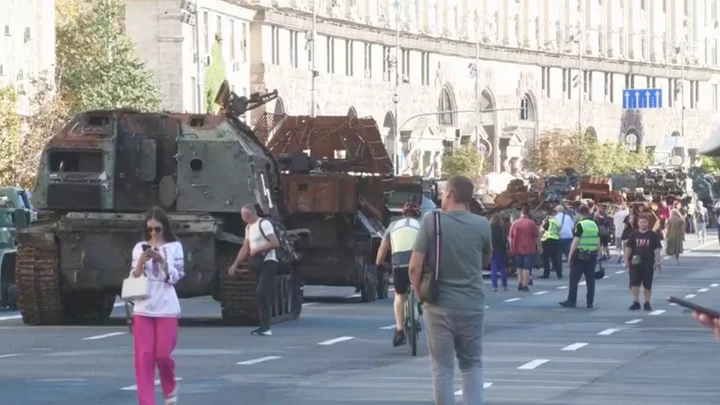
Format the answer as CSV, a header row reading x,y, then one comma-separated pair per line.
x,y
411,210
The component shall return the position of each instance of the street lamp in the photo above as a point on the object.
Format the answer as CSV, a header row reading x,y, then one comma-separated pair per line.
x,y
310,45
395,62
681,56
578,37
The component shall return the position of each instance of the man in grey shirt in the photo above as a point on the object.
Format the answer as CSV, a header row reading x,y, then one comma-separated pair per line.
x,y
455,322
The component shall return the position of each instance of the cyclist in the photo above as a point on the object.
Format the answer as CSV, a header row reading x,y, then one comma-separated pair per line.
x,y
399,238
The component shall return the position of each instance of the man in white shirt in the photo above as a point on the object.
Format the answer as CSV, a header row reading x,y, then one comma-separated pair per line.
x,y
566,233
259,248
619,225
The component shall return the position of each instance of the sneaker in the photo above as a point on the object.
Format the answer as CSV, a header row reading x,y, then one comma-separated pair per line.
x,y
504,288
525,289
495,289
635,306
567,304
262,332
647,307
398,338
172,398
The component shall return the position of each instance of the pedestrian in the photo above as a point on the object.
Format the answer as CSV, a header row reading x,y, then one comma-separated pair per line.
x,y
675,235
524,237
566,230
454,321
690,217
160,258
702,221
550,240
604,224
642,258
259,249
498,262
583,257
619,225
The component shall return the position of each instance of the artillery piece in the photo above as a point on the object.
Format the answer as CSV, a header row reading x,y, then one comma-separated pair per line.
x,y
106,168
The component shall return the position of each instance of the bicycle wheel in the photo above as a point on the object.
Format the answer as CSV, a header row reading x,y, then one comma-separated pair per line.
x,y
413,335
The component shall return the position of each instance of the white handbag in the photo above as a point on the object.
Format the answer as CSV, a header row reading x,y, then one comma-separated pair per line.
x,y
136,288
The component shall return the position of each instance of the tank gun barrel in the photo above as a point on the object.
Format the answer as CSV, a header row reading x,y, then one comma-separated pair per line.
x,y
236,106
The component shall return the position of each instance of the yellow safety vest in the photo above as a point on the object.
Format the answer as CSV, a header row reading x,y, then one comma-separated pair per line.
x,y
553,231
402,240
590,236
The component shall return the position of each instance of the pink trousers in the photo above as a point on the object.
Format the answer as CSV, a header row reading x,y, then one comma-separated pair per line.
x,y
154,340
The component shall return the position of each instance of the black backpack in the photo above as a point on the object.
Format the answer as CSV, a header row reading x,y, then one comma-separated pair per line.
x,y
285,253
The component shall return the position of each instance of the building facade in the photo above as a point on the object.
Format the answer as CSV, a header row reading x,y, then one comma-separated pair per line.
x,y
27,45
531,66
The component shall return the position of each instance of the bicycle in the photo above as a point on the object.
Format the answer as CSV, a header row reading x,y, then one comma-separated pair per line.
x,y
412,321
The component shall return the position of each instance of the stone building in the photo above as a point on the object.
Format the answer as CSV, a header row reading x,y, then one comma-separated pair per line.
x,y
27,45
530,53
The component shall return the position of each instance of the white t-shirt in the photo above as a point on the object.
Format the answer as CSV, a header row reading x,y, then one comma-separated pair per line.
x,y
566,225
257,240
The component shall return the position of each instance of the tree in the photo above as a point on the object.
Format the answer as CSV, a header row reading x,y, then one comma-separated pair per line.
x,y
465,161
214,76
10,136
97,61
710,164
557,151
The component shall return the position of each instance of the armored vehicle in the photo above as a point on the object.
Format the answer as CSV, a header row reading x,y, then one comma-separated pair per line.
x,y
12,216
336,172
105,169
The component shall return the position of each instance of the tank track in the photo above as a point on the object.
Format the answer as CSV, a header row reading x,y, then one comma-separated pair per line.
x,y
238,301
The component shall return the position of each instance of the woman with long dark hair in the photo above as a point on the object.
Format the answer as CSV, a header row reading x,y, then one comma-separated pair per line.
x,y
159,257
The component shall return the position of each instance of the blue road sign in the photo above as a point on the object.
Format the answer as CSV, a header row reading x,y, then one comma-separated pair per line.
x,y
642,98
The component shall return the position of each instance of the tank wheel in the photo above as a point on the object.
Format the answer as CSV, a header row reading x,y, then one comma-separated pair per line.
x,y
37,276
12,297
383,284
368,291
89,307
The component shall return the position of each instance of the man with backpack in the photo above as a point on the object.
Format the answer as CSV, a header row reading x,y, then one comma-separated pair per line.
x,y
259,249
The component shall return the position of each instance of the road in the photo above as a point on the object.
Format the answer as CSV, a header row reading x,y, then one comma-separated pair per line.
x,y
340,351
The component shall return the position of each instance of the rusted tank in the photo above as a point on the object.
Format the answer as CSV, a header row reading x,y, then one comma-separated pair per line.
x,y
337,174
105,169
597,189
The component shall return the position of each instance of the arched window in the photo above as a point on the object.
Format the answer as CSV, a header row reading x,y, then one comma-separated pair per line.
x,y
632,141
446,103
527,108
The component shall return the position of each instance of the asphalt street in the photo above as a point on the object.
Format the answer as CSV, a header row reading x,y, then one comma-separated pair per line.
x,y
340,351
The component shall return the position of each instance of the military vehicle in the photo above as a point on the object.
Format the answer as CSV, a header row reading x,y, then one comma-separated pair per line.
x,y
336,172
422,192
12,216
105,169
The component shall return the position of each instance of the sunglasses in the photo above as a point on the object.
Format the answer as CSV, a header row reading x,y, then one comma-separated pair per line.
x,y
157,229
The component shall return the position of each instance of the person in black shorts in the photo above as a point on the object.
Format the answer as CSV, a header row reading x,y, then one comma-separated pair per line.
x,y
642,258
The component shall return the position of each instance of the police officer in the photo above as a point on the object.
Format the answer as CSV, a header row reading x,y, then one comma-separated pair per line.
x,y
400,239
550,239
583,256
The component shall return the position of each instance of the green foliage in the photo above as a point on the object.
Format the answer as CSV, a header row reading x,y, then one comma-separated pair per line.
x,y
97,61
465,161
710,164
10,136
214,76
556,151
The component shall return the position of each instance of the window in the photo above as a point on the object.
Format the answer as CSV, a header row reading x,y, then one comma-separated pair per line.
x,y
642,5
232,40
387,64
368,60
218,28
294,49
664,6
631,141
715,52
405,54
687,7
545,72
243,42
193,95
275,45
587,84
206,33
671,92
425,68
349,58
330,52
714,94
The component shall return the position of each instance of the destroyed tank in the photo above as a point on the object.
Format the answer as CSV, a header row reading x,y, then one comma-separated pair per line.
x,y
101,173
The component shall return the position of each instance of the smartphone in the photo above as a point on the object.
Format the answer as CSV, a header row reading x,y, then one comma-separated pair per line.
x,y
695,307
145,247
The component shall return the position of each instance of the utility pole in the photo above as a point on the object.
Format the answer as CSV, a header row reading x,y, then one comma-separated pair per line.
x,y
581,73
682,83
313,71
477,60
396,93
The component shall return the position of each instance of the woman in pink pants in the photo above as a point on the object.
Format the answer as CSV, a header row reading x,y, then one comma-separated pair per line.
x,y
155,320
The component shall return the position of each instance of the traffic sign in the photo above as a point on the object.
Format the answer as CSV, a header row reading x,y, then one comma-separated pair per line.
x,y
642,98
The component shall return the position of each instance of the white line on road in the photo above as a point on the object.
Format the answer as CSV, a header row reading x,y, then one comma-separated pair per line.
x,y
540,292
713,285
5,356
633,321
533,364
134,387
307,304
336,340
11,317
388,327
582,283
608,332
256,361
512,299
704,290
486,307
107,335
562,287
620,272
657,312
687,297
353,295
573,347
673,304
485,385
606,276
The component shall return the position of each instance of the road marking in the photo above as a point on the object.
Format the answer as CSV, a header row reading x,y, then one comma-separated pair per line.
x,y
485,385
307,304
336,340
256,361
704,290
388,327
687,297
540,292
608,332
606,276
620,272
353,296
533,364
512,299
633,321
573,347
673,304
134,387
107,335
582,283
486,307
11,317
657,312
713,285
562,287
5,356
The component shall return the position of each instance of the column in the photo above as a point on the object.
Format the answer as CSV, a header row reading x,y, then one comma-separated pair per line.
x,y
591,31
526,26
610,47
542,35
502,22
